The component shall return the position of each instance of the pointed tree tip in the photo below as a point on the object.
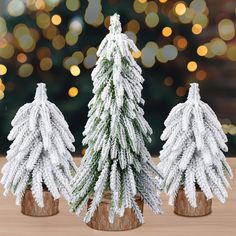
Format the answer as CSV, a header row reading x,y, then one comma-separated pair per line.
x,y
194,92
115,25
41,92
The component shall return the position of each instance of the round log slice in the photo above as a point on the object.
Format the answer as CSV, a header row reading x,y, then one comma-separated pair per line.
x,y
100,220
30,208
183,208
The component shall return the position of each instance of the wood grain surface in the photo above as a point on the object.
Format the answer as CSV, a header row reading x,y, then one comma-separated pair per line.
x,y
100,217
222,221
29,206
183,208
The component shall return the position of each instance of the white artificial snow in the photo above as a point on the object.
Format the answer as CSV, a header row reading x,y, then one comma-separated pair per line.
x,y
193,152
116,159
40,152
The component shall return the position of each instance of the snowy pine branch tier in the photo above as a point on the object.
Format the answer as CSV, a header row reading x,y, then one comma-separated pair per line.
x,y
116,159
193,153
40,153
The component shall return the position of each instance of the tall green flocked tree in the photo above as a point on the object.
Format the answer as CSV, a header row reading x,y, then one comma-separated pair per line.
x,y
116,160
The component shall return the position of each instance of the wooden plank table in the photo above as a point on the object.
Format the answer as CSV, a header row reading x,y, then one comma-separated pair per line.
x,y
221,222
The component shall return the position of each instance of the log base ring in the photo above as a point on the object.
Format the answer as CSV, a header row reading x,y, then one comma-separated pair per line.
x,y
30,208
183,208
100,220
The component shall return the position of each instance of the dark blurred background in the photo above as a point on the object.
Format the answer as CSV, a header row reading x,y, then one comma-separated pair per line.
x,y
55,42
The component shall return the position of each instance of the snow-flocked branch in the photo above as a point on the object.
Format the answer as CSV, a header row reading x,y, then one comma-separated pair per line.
x,y
39,155
116,159
192,155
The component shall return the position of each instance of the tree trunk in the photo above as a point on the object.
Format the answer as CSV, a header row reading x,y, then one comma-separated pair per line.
x,y
29,206
182,206
100,220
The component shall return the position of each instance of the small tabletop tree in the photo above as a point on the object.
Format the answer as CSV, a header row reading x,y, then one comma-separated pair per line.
x,y
193,155
39,157
116,159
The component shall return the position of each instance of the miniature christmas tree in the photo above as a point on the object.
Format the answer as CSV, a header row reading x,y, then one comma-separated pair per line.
x,y
39,157
116,159
193,156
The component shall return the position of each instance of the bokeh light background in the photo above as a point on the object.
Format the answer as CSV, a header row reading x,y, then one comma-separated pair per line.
x,y
55,42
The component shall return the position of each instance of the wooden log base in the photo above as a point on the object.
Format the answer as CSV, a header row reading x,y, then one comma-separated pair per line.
x,y
183,208
100,220
30,208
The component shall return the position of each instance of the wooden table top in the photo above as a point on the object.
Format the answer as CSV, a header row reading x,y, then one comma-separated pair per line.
x,y
221,222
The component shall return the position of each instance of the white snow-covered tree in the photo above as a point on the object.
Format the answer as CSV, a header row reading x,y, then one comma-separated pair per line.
x,y
39,156
192,155
116,159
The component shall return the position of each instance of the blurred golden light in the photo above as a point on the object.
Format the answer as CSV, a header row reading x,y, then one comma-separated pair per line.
x,y
201,19
75,70
218,46
196,29
73,92
181,91
20,29
201,75
163,1
1,94
58,42
202,50
181,42
69,61
192,66
71,39
56,19
16,8
209,54
43,52
226,29
7,52
168,81
92,51
180,8
107,22
21,57
152,20
152,45
3,42
187,17
43,20
2,86
3,27
73,5
169,52
26,42
79,56
142,1
166,32
40,4
160,57
131,35
3,69
99,20
50,32
198,6
148,57
46,64
90,61
76,26
231,53
133,26
137,54
25,70
151,7
139,7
